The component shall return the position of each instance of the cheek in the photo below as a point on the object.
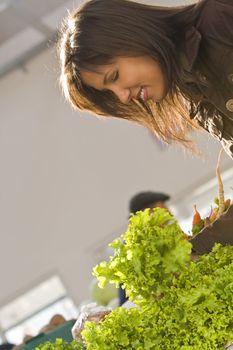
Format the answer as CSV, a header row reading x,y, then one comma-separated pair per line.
x,y
157,73
158,78
129,75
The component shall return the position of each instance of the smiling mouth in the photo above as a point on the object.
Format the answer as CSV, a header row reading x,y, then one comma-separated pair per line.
x,y
142,94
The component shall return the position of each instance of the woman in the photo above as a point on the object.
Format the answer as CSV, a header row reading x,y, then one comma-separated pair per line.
x,y
169,69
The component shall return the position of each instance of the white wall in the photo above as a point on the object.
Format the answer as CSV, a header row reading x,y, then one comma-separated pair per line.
x,y
66,178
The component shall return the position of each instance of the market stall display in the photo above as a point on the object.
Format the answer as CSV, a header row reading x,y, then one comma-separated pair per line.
x,y
181,303
182,288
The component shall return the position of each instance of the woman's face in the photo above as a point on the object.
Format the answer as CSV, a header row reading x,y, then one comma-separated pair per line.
x,y
129,78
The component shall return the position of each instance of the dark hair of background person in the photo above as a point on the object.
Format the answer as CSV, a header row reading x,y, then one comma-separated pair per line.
x,y
145,200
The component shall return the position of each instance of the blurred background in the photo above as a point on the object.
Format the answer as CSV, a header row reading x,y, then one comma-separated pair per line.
x,y
66,178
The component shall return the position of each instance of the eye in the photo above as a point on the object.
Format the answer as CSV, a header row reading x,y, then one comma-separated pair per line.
x,y
115,76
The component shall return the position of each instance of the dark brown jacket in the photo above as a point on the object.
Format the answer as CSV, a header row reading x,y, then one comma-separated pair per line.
x,y
209,57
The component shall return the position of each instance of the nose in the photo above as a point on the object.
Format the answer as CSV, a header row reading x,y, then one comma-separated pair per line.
x,y
123,94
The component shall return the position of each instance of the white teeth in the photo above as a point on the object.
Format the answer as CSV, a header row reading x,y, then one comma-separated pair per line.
x,y
142,94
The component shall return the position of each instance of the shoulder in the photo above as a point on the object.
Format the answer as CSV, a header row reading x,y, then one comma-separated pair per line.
x,y
215,20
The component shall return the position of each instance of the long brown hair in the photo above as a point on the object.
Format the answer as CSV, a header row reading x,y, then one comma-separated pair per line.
x,y
104,29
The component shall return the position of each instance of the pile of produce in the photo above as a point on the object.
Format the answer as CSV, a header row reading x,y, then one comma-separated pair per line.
x,y
60,344
182,304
